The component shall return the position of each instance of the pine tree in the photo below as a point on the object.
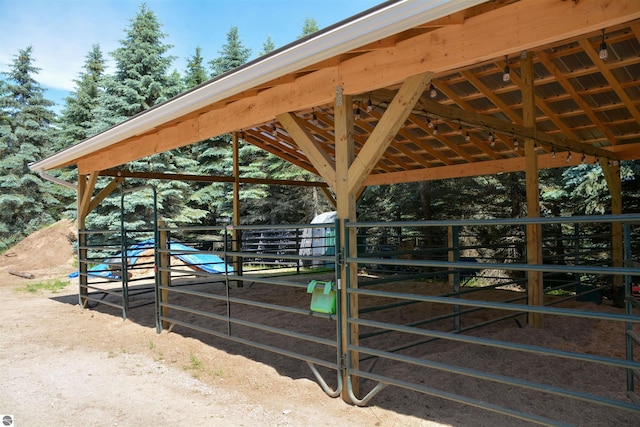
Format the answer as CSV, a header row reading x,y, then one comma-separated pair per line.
x,y
26,201
143,79
195,74
214,155
267,46
78,115
232,55
310,26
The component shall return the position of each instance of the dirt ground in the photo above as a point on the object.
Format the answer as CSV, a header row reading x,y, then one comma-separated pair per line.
x,y
63,365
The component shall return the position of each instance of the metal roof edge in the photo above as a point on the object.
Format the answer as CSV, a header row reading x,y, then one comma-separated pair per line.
x,y
374,24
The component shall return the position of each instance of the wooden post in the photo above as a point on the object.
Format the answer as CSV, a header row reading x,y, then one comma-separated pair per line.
x,y
535,294
612,175
346,209
82,244
236,235
165,276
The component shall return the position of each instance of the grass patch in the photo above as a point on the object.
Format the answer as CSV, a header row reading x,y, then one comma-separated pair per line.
x,y
53,286
476,282
195,365
559,293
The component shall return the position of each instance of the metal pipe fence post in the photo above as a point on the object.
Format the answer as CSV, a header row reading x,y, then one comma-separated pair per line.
x,y
628,309
83,268
454,256
163,276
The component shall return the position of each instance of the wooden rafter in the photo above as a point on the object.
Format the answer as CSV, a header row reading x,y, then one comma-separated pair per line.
x,y
512,128
568,87
491,167
443,49
613,82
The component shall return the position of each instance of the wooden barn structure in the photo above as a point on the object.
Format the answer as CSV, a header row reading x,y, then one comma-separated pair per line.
x,y
413,90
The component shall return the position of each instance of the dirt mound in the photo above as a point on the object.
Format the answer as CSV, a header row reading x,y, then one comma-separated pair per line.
x,y
46,250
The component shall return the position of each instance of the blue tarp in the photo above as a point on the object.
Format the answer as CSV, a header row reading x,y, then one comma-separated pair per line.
x,y
209,263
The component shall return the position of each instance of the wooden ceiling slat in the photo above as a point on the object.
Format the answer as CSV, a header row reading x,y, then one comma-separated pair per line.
x,y
422,144
491,96
568,87
608,75
542,105
582,104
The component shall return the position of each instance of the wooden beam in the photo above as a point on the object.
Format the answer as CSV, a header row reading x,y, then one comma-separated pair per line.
x,y
329,196
313,150
490,167
104,193
625,151
521,26
612,175
236,235
346,210
88,191
83,265
307,91
535,289
469,117
527,24
386,129
210,178
164,259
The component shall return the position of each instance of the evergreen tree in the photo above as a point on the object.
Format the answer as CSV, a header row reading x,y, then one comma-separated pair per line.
x,y
78,115
267,46
143,79
26,202
214,159
310,26
232,55
196,73
214,155
78,118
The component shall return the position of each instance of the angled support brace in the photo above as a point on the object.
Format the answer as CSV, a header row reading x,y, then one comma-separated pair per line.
x,y
83,210
386,129
319,158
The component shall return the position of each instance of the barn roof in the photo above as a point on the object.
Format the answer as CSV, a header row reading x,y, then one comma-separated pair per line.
x,y
467,121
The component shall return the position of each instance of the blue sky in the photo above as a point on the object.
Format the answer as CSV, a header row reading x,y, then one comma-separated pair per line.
x,y
62,32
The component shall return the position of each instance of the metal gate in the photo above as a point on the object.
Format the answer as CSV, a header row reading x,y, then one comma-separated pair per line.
x,y
116,266
418,286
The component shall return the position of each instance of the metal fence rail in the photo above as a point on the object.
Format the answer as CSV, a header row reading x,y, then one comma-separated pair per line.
x,y
420,286
384,307
256,284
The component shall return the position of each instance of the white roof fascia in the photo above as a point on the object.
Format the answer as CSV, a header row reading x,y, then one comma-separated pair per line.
x,y
361,30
